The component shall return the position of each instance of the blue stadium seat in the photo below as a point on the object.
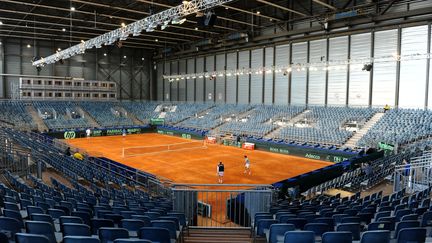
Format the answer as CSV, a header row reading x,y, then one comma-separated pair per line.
x,y
426,219
31,238
405,224
11,206
107,234
299,237
263,226
42,218
33,209
41,228
157,234
56,213
339,237
412,235
167,224
10,226
80,239
71,229
379,226
15,215
98,223
133,225
70,219
277,232
354,228
299,223
146,219
376,236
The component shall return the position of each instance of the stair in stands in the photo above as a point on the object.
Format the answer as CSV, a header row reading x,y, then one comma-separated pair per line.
x,y
215,130
132,116
198,115
92,122
293,120
217,235
352,142
36,118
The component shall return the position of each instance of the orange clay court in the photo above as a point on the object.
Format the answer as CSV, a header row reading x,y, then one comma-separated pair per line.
x,y
198,165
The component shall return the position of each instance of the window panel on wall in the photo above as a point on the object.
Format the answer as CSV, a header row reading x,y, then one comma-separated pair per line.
x,y
167,89
268,77
359,81
243,80
190,81
220,81
256,79
182,82
199,92
174,84
298,77
413,72
231,89
317,78
384,73
337,75
281,78
160,81
209,94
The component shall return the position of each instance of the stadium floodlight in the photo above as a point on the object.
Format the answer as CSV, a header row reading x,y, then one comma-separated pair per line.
x,y
178,21
148,24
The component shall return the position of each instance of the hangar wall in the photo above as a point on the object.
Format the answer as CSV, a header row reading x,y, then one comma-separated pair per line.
x,y
404,83
132,74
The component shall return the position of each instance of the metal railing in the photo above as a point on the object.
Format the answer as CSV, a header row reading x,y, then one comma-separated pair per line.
x,y
415,175
221,205
151,183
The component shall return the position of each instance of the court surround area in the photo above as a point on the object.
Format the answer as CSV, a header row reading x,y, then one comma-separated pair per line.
x,y
197,165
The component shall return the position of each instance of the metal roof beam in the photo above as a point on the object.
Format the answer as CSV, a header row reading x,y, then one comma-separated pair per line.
x,y
283,8
325,5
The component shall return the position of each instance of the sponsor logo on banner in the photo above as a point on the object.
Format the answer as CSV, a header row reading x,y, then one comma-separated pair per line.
x,y
69,135
312,156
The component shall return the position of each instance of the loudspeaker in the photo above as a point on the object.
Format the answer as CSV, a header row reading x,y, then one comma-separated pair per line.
x,y
208,19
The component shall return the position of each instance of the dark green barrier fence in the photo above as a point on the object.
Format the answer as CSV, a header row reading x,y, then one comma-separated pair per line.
x,y
304,151
72,134
179,133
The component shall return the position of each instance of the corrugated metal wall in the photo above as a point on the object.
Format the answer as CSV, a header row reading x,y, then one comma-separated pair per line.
x,y
167,83
384,74
337,76
220,81
413,72
243,80
299,75
199,85
190,82
269,76
256,88
231,79
182,82
174,85
317,78
359,80
342,83
132,74
210,81
281,78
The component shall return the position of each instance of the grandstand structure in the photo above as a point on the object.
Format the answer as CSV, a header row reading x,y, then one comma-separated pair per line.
x,y
114,115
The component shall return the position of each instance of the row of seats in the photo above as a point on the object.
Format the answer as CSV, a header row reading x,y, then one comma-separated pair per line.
x,y
398,217
324,125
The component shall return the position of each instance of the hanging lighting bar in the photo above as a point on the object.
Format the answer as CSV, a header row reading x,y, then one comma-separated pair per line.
x,y
147,24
